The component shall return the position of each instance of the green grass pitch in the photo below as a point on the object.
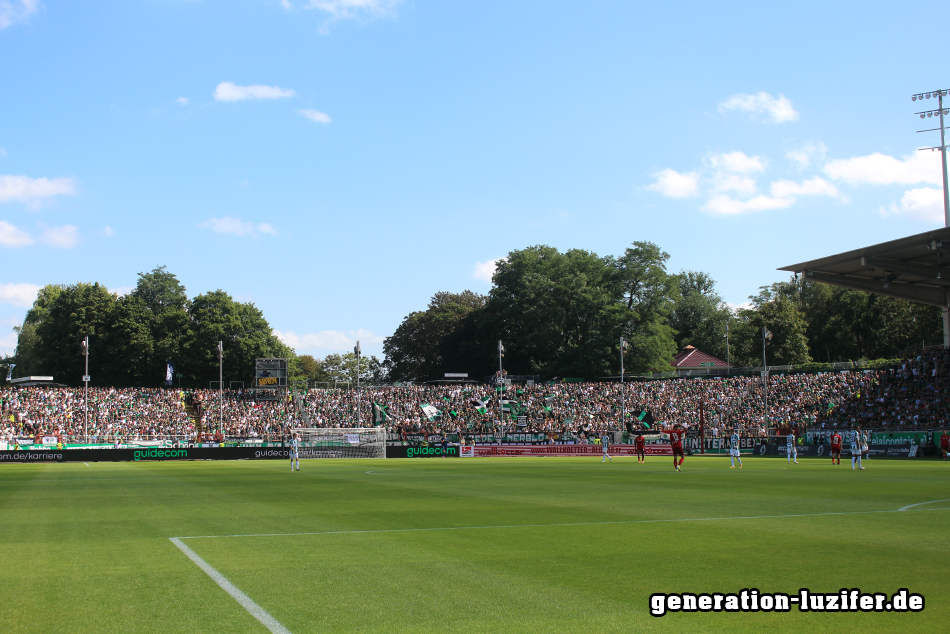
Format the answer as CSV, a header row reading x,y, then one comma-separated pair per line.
x,y
510,544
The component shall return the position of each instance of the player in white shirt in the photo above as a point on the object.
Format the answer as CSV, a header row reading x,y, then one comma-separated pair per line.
x,y
865,441
790,449
734,450
605,445
855,438
294,452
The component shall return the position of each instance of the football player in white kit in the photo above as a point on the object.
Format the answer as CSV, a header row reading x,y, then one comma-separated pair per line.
x,y
855,438
790,448
605,445
294,452
734,449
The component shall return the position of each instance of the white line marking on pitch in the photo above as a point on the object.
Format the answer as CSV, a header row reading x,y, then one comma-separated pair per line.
x,y
910,506
86,463
468,528
246,602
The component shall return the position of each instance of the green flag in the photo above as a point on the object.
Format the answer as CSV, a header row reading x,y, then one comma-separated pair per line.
x,y
380,414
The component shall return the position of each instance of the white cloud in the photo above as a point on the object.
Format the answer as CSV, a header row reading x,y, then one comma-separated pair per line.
x,y
733,183
10,236
485,270
329,340
64,237
22,294
925,203
880,169
779,109
315,115
343,9
739,306
226,91
8,344
121,290
107,231
807,153
723,205
738,162
34,190
182,100
673,184
816,186
13,11
233,226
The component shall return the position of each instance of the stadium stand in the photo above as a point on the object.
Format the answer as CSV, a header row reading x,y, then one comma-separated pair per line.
x,y
910,396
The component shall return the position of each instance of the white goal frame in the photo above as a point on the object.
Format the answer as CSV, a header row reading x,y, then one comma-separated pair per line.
x,y
337,442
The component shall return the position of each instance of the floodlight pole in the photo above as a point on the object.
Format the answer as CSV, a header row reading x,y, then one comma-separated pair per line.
x,y
359,414
728,361
85,400
940,94
623,400
500,382
946,207
765,379
220,382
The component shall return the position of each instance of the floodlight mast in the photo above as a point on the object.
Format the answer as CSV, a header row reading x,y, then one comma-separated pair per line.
x,y
623,400
85,400
940,112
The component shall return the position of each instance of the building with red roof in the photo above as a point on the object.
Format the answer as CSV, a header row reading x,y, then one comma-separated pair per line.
x,y
692,358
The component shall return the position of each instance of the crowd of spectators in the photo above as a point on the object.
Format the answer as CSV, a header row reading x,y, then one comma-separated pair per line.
x,y
29,412
910,396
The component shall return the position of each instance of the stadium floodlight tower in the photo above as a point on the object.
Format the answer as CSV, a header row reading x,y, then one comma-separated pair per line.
x,y
85,399
940,113
501,378
220,381
359,403
623,401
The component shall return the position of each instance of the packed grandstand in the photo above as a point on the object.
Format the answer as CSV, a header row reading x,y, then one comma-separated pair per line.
x,y
911,395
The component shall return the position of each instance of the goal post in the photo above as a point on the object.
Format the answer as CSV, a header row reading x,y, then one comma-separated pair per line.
x,y
341,442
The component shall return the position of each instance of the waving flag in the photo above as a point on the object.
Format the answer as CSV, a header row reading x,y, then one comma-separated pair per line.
x,y
169,372
380,413
10,371
481,405
431,412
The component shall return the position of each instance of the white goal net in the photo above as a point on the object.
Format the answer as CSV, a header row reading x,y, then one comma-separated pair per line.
x,y
336,442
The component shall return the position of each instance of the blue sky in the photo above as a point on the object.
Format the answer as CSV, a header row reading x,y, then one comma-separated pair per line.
x,y
337,162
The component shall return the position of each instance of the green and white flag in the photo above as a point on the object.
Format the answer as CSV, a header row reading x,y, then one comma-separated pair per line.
x,y
481,405
380,414
549,403
512,407
431,412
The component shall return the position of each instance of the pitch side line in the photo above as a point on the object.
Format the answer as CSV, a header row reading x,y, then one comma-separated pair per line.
x,y
246,602
469,528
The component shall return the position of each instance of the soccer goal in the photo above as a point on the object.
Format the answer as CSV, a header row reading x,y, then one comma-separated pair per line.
x,y
337,442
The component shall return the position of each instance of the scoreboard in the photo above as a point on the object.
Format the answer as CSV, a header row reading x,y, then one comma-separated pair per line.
x,y
270,373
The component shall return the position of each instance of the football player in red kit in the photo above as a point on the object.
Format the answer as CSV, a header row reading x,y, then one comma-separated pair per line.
x,y
676,434
639,443
836,447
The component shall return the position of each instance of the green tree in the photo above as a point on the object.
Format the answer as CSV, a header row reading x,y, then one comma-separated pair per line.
x,y
434,341
341,368
246,336
557,312
700,315
76,311
648,295
27,356
166,302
